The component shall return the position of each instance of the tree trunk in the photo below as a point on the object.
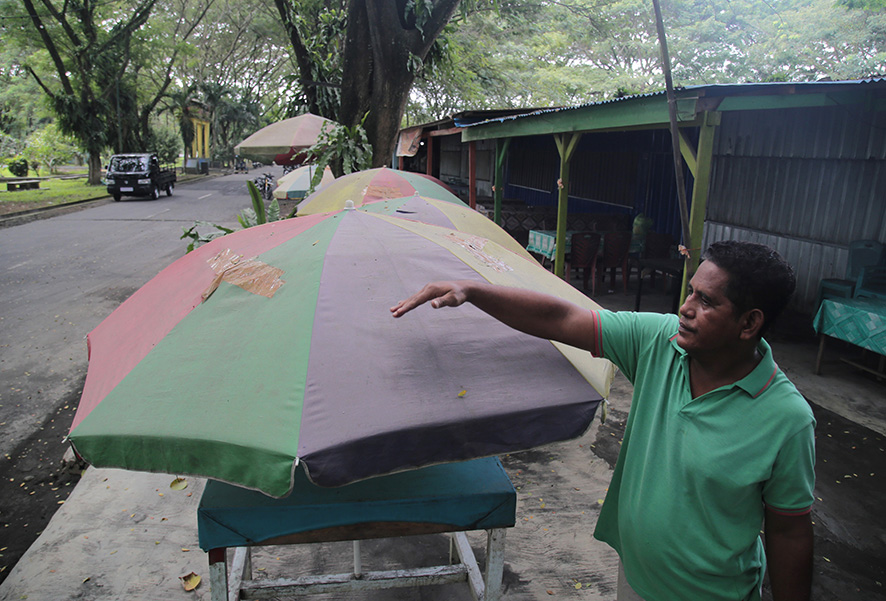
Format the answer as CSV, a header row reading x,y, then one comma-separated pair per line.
x,y
380,47
95,169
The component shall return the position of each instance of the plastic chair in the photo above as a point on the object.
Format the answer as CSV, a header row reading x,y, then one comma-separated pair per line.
x,y
872,282
862,253
585,248
615,255
658,246
642,225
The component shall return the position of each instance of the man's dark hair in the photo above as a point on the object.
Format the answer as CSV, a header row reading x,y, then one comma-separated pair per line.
x,y
759,278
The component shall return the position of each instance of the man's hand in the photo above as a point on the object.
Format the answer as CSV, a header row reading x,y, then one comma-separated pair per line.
x,y
440,294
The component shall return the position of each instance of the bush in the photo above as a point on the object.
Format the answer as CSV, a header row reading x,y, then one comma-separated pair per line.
x,y
18,167
166,144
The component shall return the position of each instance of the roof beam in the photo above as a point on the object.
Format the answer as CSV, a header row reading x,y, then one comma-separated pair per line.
x,y
645,112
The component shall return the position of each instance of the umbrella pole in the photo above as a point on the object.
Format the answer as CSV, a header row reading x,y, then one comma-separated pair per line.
x,y
675,143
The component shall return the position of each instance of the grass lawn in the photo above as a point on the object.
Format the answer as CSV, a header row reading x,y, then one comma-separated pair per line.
x,y
52,192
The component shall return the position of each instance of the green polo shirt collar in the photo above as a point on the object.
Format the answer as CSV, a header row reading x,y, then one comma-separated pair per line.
x,y
756,382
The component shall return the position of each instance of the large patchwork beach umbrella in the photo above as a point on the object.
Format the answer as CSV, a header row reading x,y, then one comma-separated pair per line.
x,y
284,138
296,184
373,185
410,195
273,348
452,215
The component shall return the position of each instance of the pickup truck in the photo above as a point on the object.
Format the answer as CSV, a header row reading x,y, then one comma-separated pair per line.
x,y
138,175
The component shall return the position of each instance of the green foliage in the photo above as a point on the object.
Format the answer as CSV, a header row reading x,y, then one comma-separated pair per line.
x,y
257,214
344,149
180,103
165,143
864,4
319,27
536,53
198,239
249,217
49,147
18,167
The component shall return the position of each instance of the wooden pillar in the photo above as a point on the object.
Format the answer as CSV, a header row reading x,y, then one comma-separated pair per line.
x,y
700,165
472,174
429,168
401,163
566,144
501,151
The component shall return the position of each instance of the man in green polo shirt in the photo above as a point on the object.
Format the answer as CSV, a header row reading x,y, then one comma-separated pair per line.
x,y
718,442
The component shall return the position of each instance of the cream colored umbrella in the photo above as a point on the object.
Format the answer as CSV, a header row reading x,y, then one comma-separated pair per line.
x,y
284,141
296,184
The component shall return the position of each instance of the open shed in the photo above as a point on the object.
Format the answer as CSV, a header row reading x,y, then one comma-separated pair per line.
x,y
798,166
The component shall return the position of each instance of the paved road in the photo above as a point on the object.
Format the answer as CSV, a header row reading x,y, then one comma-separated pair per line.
x,y
61,276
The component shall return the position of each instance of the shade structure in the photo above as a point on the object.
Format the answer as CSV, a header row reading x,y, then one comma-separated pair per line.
x,y
373,185
296,184
286,137
293,359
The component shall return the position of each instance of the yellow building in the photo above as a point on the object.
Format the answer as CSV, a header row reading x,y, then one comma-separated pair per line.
x,y
200,146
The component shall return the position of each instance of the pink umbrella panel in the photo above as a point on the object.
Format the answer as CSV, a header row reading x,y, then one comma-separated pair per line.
x,y
274,346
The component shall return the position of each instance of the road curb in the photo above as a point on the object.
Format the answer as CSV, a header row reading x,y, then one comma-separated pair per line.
x,y
22,217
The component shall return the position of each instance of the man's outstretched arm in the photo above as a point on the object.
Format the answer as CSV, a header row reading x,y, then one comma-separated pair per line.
x,y
530,312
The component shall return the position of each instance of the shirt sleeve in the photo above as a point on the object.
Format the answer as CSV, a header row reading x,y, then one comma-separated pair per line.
x,y
625,336
789,489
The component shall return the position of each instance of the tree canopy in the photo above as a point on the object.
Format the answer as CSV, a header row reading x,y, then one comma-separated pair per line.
x,y
115,74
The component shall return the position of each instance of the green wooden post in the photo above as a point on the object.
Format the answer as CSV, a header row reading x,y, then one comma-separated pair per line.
x,y
501,150
566,144
704,159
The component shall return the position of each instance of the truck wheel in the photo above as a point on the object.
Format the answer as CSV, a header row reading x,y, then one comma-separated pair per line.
x,y
155,192
169,189
117,197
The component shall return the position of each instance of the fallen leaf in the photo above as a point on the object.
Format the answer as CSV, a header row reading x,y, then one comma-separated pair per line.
x,y
178,484
190,581
462,393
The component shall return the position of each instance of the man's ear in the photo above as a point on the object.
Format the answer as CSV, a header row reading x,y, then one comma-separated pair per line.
x,y
752,323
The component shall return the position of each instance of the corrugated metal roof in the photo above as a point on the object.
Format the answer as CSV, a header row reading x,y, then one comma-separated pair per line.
x,y
723,89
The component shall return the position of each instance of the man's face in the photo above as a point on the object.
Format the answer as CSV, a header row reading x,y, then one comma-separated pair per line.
x,y
708,321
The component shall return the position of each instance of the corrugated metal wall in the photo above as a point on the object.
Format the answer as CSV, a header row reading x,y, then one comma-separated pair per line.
x,y
638,178
805,181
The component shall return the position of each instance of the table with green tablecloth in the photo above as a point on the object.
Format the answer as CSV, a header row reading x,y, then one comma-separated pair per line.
x,y
544,242
859,321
